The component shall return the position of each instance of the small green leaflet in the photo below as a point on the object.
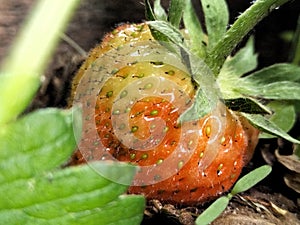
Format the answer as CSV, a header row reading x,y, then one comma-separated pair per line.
x,y
213,211
268,126
251,179
38,191
216,17
243,184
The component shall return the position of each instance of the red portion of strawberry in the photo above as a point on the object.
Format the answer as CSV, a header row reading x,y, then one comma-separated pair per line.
x,y
195,182
136,117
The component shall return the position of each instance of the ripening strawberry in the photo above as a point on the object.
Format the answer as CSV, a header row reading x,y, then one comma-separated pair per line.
x,y
136,119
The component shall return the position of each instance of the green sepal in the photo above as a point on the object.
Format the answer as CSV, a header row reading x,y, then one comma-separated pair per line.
x,y
150,16
267,126
284,116
175,12
165,33
279,81
196,36
149,13
159,11
171,32
201,107
207,95
244,61
282,90
216,17
247,105
277,72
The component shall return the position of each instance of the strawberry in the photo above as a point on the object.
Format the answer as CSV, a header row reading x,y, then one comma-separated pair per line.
x,y
136,114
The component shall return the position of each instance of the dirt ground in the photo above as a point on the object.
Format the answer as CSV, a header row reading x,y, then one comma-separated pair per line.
x,y
270,202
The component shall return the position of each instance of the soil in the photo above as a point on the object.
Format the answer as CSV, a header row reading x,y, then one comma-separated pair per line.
x,y
270,202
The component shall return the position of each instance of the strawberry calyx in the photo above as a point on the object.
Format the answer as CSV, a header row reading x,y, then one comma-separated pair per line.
x,y
248,94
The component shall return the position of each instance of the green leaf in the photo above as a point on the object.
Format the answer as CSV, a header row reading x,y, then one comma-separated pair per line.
x,y
268,126
216,17
20,74
75,195
40,141
244,61
193,26
247,105
251,179
175,12
37,191
284,116
213,211
159,11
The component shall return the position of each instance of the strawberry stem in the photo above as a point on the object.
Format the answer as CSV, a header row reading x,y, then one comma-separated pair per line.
x,y
246,21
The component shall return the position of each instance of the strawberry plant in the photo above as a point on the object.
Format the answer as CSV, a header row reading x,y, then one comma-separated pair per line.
x,y
174,100
173,97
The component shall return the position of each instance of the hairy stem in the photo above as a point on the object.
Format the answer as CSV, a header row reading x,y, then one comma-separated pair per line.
x,y
246,22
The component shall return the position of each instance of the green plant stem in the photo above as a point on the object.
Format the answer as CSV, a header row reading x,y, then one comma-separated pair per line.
x,y
246,21
20,75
